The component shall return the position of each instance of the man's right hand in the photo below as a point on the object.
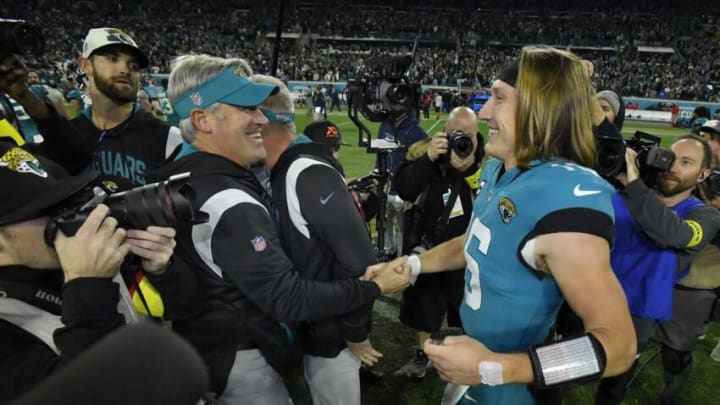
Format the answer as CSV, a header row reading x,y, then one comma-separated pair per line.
x,y
392,276
438,146
14,77
97,249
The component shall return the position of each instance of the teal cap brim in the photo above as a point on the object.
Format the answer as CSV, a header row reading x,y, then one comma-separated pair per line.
x,y
226,87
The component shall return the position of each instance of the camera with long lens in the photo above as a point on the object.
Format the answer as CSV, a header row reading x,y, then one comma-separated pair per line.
x,y
381,88
458,142
651,158
165,203
20,37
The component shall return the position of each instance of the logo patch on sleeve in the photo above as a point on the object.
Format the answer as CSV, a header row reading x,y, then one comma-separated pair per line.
x,y
697,233
258,243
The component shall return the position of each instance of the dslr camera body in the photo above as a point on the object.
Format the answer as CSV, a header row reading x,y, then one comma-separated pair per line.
x,y
166,203
458,142
651,158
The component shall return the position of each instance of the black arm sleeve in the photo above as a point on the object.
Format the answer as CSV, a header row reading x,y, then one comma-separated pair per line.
x,y
663,226
412,177
246,248
338,224
180,289
89,312
63,143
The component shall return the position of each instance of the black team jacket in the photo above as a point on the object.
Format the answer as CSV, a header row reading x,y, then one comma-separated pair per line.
x,y
324,237
248,285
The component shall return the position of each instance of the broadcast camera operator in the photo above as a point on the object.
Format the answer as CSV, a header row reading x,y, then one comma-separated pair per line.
x,y
659,229
695,298
57,297
250,284
440,176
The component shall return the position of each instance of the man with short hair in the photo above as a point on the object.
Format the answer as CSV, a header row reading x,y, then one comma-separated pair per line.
x,y
324,237
659,229
248,282
113,136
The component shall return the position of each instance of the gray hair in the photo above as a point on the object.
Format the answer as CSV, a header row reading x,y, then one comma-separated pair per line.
x,y
280,102
191,71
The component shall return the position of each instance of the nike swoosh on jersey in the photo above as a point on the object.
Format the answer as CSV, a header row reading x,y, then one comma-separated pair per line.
x,y
324,200
582,193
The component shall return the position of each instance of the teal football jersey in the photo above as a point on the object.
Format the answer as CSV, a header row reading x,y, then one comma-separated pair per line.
x,y
508,304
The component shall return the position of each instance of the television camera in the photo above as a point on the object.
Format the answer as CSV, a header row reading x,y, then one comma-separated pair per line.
x,y
382,91
651,158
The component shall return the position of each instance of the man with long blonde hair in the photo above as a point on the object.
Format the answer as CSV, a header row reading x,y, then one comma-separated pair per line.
x,y
541,232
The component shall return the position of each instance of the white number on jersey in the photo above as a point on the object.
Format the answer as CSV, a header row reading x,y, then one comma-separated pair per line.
x,y
481,233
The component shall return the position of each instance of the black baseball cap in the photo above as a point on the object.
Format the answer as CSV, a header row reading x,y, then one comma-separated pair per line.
x,y
324,132
35,184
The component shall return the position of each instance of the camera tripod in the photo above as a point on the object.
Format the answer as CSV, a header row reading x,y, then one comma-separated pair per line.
x,y
382,150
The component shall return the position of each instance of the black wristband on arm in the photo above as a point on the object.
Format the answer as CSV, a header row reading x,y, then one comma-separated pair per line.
x,y
570,360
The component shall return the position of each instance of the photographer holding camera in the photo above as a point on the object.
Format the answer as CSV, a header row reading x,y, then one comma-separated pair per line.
x,y
114,135
440,176
658,232
58,299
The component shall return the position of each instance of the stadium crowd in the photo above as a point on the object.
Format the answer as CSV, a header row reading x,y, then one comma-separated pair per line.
x,y
240,232
328,43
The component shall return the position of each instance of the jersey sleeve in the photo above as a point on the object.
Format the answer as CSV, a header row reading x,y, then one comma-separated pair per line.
x,y
575,200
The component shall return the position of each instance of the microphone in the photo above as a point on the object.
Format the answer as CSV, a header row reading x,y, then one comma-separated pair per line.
x,y
137,364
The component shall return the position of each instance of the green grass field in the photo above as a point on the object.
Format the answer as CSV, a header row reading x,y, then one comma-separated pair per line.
x,y
358,162
397,342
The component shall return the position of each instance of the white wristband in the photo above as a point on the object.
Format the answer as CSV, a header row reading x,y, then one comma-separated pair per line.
x,y
415,268
491,373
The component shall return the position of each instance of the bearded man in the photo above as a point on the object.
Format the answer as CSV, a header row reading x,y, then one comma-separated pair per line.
x,y
658,231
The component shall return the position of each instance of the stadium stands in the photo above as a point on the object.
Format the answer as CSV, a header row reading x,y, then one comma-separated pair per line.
x,y
637,49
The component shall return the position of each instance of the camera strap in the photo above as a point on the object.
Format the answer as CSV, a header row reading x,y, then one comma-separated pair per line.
x,y
444,218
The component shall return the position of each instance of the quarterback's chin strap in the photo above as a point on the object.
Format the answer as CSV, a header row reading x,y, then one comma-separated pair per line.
x,y
570,360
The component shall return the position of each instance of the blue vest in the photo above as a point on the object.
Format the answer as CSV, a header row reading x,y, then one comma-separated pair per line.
x,y
507,305
647,272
